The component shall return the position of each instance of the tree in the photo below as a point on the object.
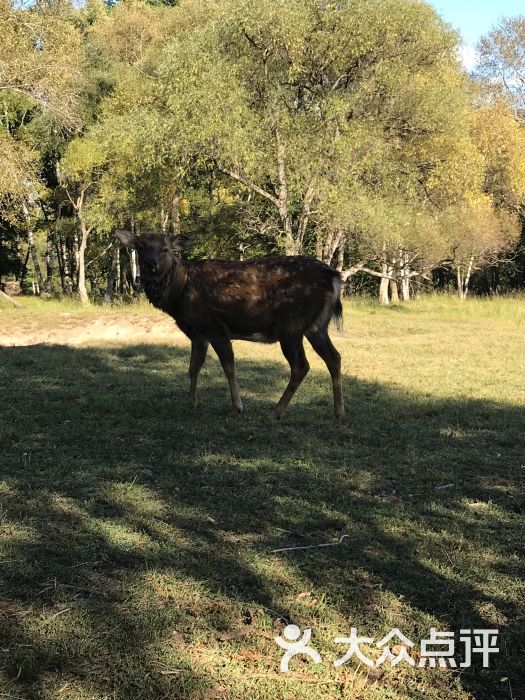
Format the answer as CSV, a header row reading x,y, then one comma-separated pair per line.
x,y
478,236
502,60
306,103
39,57
79,174
39,62
40,78
500,138
345,130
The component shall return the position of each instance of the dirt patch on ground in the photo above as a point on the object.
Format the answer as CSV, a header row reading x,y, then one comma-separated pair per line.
x,y
69,329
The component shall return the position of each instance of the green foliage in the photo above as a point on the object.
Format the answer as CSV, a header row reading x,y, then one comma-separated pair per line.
x,y
10,261
268,126
500,138
365,100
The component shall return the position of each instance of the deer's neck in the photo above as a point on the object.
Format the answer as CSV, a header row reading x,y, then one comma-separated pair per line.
x,y
163,291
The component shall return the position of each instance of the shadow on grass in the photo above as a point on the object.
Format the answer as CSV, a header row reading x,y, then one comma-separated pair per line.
x,y
109,573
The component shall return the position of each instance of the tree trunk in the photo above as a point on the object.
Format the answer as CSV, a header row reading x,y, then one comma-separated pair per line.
x,y
290,244
463,278
386,273
459,278
328,247
82,244
74,259
112,274
23,272
60,260
318,245
36,264
467,277
123,269
32,248
175,213
341,252
304,216
134,270
164,221
383,289
405,288
48,286
133,263
405,277
334,242
69,276
117,290
394,292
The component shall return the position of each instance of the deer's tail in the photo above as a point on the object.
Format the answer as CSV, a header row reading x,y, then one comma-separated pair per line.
x,y
337,311
332,309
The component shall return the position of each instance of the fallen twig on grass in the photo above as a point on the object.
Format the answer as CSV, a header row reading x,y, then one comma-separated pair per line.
x,y
82,589
172,672
61,612
311,546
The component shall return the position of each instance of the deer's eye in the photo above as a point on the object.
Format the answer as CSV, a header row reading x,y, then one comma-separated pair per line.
x,y
165,250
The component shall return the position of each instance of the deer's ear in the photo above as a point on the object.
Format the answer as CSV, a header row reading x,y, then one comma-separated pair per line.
x,y
182,242
127,238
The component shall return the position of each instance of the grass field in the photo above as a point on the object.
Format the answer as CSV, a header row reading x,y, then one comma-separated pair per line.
x,y
136,535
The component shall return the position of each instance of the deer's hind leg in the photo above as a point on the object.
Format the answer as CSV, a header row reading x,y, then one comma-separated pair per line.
x,y
223,348
199,350
321,343
293,350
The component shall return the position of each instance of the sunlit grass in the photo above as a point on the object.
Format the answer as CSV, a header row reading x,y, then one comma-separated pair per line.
x,y
122,583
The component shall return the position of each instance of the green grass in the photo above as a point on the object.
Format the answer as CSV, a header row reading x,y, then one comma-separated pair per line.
x,y
51,313
123,585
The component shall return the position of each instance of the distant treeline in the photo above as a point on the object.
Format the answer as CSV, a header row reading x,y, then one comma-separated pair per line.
x,y
349,131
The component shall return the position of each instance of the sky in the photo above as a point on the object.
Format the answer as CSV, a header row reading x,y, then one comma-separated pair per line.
x,y
473,19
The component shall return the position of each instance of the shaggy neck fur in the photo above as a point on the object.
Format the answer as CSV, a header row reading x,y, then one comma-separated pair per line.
x,y
163,291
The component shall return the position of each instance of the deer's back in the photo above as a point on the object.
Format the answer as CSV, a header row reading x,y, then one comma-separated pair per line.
x,y
261,299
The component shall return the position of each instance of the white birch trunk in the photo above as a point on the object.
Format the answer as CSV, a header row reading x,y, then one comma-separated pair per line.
x,y
134,267
82,244
383,287
341,252
394,292
467,277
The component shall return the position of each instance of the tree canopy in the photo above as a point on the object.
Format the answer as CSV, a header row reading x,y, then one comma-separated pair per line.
x,y
345,130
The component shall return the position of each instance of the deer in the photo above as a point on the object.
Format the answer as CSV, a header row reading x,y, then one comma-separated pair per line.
x,y
268,299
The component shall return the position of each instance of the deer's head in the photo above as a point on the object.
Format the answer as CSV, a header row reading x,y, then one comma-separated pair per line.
x,y
156,252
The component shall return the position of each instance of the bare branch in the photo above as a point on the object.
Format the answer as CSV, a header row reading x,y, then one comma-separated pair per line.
x,y
305,210
5,296
235,175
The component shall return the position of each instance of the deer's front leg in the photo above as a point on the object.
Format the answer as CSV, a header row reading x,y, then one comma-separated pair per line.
x,y
224,350
199,350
